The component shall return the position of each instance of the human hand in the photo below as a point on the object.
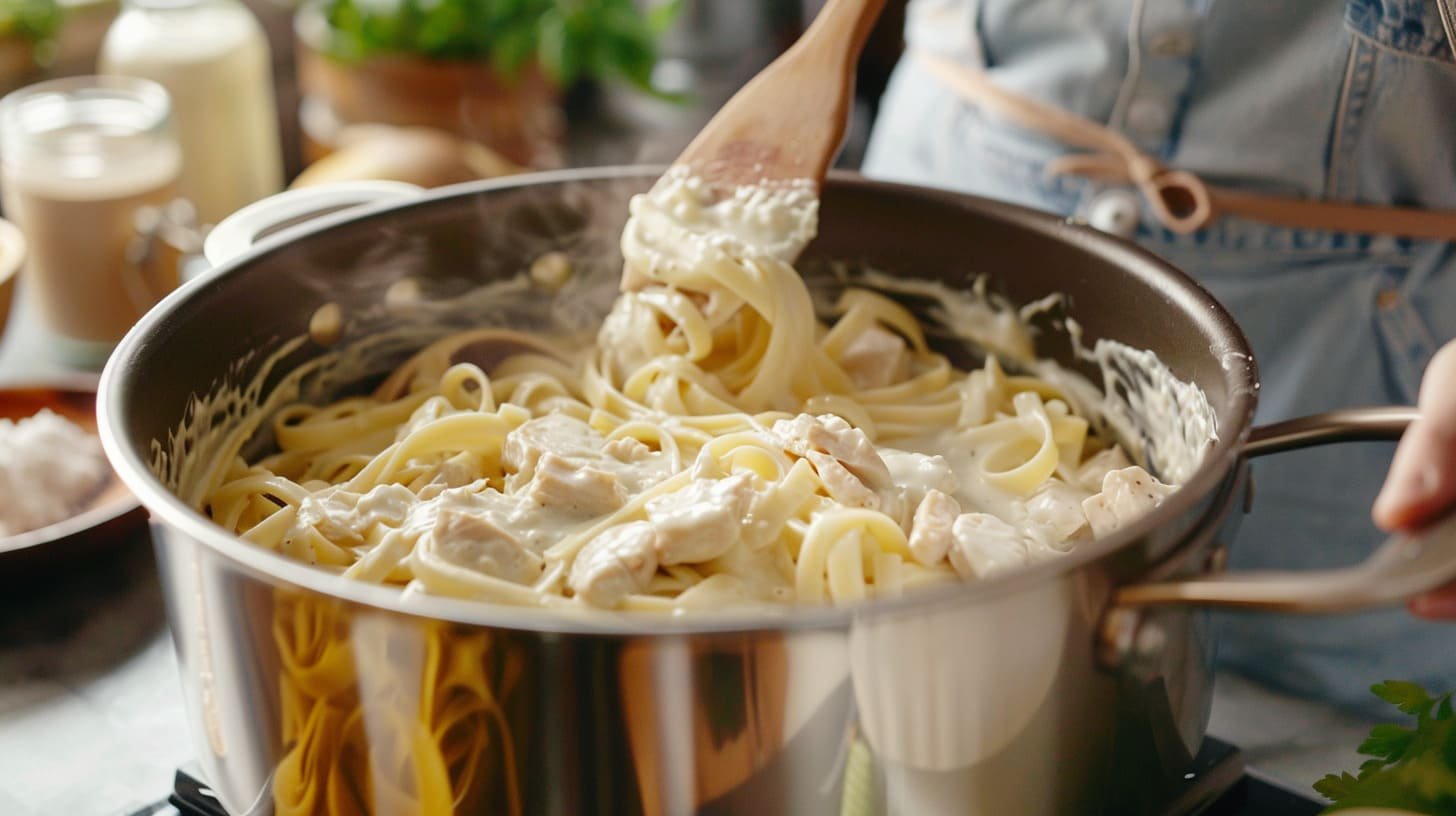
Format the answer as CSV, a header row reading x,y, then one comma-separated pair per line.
x,y
1421,484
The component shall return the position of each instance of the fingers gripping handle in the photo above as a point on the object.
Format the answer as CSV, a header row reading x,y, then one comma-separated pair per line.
x,y
1404,566
1407,564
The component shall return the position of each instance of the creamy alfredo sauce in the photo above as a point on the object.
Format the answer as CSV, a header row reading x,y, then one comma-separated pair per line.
x,y
716,445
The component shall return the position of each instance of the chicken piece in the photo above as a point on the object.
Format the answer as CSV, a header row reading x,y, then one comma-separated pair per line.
x,y
875,359
1127,495
574,488
896,504
843,486
832,435
930,531
459,470
627,449
1091,472
615,564
471,541
384,504
701,521
985,545
332,514
554,433
1054,512
918,474
343,518
914,475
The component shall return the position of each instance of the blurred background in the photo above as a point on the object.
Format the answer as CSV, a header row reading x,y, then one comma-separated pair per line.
x,y
527,84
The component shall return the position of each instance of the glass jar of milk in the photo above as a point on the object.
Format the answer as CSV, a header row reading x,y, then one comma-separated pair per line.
x,y
80,160
213,59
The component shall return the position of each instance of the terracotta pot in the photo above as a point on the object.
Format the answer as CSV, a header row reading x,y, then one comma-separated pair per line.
x,y
72,53
17,62
520,119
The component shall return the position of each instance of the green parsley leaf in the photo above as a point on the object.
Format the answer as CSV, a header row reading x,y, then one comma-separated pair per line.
x,y
33,20
1408,697
1336,786
1387,742
1410,768
601,39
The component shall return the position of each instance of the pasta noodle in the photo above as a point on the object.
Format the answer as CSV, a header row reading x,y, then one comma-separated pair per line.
x,y
719,444
380,715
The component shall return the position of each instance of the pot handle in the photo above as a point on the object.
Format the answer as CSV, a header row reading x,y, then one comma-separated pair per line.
x,y
1407,564
280,217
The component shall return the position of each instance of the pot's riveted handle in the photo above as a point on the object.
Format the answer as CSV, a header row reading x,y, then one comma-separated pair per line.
x,y
1385,423
1405,565
277,217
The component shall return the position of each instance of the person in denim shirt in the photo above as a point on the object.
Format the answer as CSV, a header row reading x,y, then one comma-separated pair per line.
x,y
1301,101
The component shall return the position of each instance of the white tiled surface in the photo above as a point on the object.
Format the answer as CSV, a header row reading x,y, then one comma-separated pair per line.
x,y
23,353
90,718
1296,741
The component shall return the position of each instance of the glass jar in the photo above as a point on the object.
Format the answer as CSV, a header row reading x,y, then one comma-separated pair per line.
x,y
79,159
212,57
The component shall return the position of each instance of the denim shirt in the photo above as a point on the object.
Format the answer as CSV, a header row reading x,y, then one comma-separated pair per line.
x,y
1347,100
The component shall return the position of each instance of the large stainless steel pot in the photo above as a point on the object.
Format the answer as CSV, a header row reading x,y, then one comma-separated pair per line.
x,y
1080,686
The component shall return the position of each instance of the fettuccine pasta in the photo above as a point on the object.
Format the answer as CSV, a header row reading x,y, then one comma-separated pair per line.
x,y
718,444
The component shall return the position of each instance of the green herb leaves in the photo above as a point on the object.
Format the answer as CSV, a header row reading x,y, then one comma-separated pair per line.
x,y
570,39
33,20
1411,768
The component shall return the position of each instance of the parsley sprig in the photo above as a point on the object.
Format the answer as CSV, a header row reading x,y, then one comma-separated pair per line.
x,y
569,38
1410,768
33,20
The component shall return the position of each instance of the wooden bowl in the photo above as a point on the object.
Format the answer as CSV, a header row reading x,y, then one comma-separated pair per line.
x,y
109,518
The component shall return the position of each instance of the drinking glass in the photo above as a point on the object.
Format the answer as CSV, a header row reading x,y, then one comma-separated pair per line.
x,y
83,161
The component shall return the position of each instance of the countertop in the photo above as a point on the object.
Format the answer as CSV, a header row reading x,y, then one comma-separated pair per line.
x,y
91,723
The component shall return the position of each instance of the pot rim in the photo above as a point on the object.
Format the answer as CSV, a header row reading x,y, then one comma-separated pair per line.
x,y
1183,294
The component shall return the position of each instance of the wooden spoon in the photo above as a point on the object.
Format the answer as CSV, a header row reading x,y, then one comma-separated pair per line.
x,y
788,123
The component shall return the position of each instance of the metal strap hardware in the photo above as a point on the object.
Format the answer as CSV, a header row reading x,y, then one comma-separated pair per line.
x,y
1180,200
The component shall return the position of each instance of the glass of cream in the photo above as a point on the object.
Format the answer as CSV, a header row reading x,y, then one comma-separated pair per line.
x,y
80,160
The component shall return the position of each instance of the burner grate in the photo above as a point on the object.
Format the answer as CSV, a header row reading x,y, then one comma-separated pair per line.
x,y
1218,784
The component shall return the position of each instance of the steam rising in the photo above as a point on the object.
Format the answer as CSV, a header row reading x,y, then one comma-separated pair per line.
x,y
441,251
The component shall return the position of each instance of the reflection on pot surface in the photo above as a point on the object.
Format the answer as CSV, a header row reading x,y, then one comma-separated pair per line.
x,y
380,716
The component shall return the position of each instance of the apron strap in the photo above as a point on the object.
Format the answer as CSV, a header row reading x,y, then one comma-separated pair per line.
x,y
1447,8
1180,200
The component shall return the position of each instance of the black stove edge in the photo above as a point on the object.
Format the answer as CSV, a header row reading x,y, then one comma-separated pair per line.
x,y
1259,794
192,797
1219,784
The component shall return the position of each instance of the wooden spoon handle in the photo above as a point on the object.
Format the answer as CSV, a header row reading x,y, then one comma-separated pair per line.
x,y
788,123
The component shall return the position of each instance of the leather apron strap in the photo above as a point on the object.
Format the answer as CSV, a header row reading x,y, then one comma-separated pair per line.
x,y
1181,200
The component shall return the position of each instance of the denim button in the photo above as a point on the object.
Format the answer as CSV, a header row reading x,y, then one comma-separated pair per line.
x,y
1114,212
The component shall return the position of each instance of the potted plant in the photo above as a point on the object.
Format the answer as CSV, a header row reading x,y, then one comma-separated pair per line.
x,y
25,27
489,70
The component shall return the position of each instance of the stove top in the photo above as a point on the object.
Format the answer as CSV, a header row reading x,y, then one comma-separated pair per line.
x,y
1218,784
